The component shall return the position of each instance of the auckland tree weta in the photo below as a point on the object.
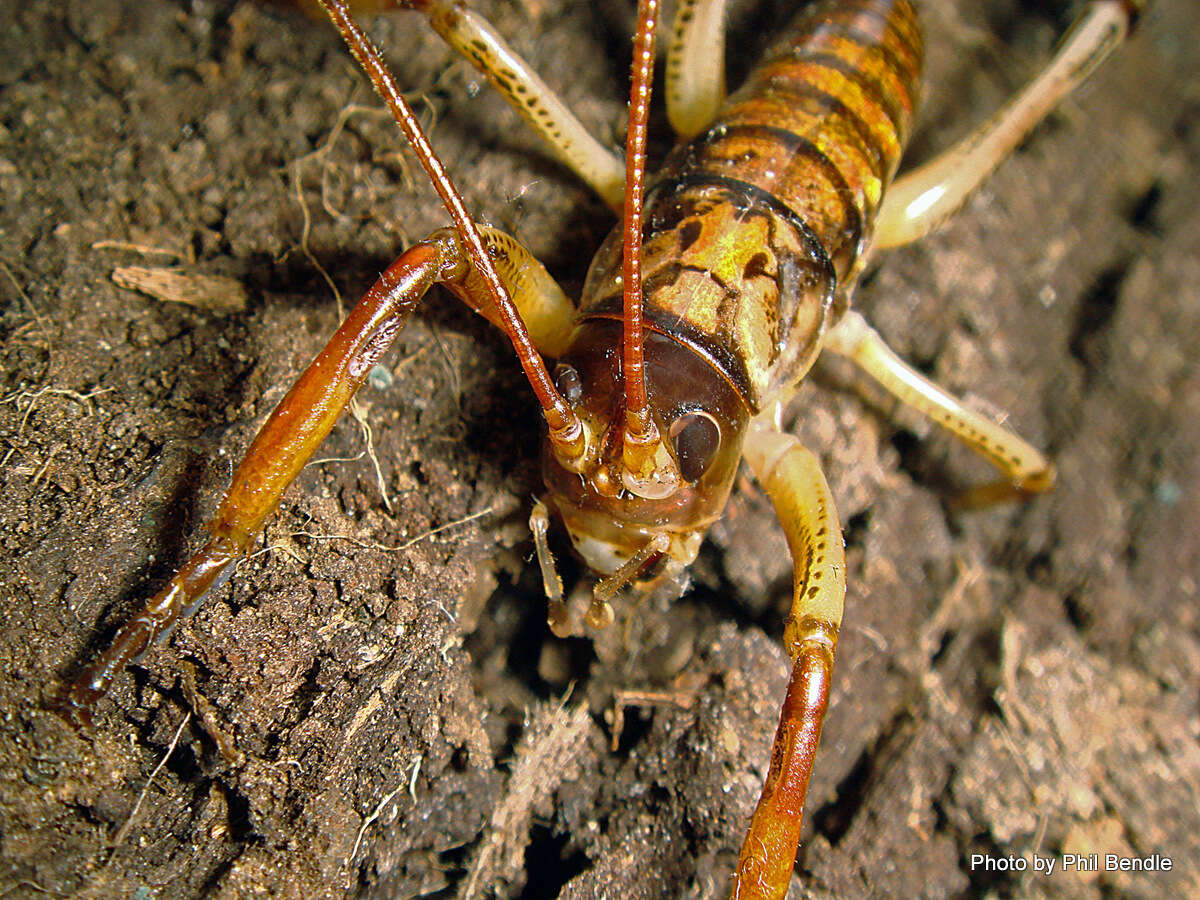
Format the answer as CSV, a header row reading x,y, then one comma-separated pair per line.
x,y
653,484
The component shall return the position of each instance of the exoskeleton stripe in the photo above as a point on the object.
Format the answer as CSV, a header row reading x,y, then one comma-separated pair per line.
x,y
868,28
874,139
890,16
819,64
838,38
844,86
782,78
754,196
766,153
751,227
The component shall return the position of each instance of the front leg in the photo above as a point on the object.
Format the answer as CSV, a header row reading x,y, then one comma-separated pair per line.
x,y
280,450
307,414
792,478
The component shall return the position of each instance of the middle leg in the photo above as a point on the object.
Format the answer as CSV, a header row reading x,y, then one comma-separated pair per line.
x,y
919,200
1024,468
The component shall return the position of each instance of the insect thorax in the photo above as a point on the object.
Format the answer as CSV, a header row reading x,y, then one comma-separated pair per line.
x,y
730,273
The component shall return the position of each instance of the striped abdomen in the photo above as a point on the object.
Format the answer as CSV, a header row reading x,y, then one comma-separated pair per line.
x,y
821,122
753,225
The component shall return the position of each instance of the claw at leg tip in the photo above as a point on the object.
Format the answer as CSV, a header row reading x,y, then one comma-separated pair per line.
x,y
600,614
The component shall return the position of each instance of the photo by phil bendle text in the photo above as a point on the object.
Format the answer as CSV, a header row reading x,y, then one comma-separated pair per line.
x,y
1071,862
732,270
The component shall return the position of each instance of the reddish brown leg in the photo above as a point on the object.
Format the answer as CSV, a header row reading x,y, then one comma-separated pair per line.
x,y
792,478
306,415
295,429
769,850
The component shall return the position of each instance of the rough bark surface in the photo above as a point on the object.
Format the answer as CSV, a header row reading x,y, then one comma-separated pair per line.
x,y
400,723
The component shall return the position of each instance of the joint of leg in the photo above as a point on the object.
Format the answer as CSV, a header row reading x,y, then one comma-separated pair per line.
x,y
455,264
1039,482
848,334
812,633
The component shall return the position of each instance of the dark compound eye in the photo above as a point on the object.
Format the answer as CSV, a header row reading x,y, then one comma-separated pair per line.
x,y
696,437
567,380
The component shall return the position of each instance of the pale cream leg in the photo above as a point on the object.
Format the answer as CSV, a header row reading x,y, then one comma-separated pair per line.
x,y
922,198
792,478
696,65
474,38
1025,469
548,313
557,613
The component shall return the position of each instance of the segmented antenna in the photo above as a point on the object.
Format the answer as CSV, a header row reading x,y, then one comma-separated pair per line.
x,y
566,431
641,434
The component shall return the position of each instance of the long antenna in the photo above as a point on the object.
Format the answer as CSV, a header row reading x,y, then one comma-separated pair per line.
x,y
566,431
641,434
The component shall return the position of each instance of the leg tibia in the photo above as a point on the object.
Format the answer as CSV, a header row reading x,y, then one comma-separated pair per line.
x,y
769,850
792,478
208,569
476,40
920,199
695,79
280,450
1026,470
309,410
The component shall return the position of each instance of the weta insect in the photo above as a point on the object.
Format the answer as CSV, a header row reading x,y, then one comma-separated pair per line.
x,y
750,238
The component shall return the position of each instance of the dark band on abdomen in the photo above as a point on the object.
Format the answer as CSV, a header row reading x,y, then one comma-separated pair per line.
x,y
837,101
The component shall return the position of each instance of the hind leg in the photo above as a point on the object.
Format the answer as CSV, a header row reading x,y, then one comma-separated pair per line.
x,y
919,200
